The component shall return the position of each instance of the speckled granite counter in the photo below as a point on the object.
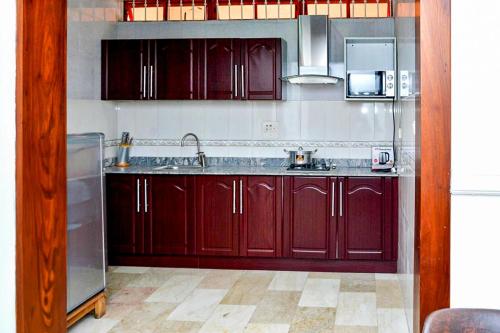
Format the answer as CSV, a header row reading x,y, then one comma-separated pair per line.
x,y
250,171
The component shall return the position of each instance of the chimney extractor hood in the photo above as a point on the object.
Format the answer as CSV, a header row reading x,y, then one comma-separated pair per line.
x,y
313,52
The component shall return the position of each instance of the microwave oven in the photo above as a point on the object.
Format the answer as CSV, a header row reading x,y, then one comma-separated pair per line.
x,y
370,84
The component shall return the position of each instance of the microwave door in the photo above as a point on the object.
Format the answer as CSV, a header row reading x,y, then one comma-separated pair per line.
x,y
383,88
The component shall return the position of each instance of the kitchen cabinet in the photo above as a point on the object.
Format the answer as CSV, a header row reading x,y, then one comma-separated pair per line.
x,y
125,227
170,218
367,225
221,62
150,214
310,224
176,73
261,69
123,70
261,216
192,69
217,215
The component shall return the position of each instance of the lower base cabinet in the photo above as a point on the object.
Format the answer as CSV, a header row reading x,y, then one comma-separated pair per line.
x,y
260,222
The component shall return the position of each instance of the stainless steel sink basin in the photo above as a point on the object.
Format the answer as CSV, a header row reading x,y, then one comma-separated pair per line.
x,y
179,167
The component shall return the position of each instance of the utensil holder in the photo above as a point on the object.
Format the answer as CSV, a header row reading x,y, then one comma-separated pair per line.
x,y
123,157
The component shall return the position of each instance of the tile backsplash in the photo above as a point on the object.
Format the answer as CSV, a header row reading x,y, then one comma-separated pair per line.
x,y
235,129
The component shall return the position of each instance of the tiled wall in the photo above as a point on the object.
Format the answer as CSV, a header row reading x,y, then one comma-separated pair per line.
x,y
405,114
346,130
89,21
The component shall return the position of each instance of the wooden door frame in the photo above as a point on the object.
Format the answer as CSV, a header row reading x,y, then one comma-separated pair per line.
x,y
41,166
433,159
41,163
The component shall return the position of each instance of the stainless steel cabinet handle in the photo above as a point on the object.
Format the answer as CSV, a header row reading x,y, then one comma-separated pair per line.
x,y
138,196
145,195
333,199
151,81
234,196
235,80
242,81
241,197
144,73
340,198
141,84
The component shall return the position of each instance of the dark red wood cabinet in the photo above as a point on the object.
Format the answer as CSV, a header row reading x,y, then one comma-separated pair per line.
x,y
124,66
192,69
367,221
309,224
175,69
217,215
171,219
125,226
260,207
150,214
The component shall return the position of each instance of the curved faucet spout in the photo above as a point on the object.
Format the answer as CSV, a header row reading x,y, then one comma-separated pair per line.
x,y
200,154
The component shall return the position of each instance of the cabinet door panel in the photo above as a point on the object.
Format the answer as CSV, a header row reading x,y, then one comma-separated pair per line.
x,y
171,215
262,61
125,231
262,204
365,218
308,217
123,64
175,69
217,217
221,58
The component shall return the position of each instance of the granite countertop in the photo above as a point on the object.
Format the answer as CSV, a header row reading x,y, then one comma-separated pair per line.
x,y
249,170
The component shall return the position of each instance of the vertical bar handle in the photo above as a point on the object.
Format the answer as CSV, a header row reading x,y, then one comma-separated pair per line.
x,y
138,196
234,196
141,83
243,80
340,198
151,81
145,195
235,80
144,73
333,199
241,197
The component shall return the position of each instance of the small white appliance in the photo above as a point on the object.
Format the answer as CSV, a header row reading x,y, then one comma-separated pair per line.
x,y
370,84
382,158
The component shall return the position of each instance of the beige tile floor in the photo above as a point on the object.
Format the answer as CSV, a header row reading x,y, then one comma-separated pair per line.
x,y
157,300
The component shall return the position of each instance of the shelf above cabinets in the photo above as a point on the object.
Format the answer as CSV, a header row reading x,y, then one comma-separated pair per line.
x,y
192,69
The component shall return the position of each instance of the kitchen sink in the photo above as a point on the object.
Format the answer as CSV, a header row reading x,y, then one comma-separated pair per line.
x,y
180,167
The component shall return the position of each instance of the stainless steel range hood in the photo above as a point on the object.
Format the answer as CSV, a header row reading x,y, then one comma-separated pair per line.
x,y
313,52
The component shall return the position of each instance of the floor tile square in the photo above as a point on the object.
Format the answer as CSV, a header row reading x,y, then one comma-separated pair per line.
x,y
288,281
198,306
228,318
276,307
356,309
313,320
320,293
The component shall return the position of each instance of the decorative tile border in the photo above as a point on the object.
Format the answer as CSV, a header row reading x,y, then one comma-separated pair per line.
x,y
255,143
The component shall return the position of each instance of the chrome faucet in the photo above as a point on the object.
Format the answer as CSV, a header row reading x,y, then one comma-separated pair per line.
x,y
202,159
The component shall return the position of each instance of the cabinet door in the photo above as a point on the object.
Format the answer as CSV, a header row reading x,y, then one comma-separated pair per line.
x,y
261,69
124,219
261,209
365,219
176,72
221,65
123,75
170,215
217,215
308,217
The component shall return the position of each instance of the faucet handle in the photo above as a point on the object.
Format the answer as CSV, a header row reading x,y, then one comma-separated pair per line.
x,y
202,159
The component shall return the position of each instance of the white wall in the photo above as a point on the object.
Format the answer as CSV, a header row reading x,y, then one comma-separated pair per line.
x,y
7,151
475,219
405,112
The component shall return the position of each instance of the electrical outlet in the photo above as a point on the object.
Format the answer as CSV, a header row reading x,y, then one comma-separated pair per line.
x,y
270,129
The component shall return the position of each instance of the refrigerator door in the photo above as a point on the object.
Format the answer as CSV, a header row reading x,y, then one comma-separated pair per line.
x,y
85,220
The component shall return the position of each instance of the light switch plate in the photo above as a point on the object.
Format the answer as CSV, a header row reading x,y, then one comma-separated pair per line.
x,y
404,83
270,129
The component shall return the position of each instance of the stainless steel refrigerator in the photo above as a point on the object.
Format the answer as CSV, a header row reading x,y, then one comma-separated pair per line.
x,y
86,216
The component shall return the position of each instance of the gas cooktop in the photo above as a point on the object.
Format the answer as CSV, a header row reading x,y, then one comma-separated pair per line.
x,y
310,167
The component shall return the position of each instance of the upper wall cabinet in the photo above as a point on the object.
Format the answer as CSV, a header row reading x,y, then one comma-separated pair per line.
x,y
123,74
192,69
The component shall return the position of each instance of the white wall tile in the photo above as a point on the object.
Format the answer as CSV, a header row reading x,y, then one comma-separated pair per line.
x,y
362,122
